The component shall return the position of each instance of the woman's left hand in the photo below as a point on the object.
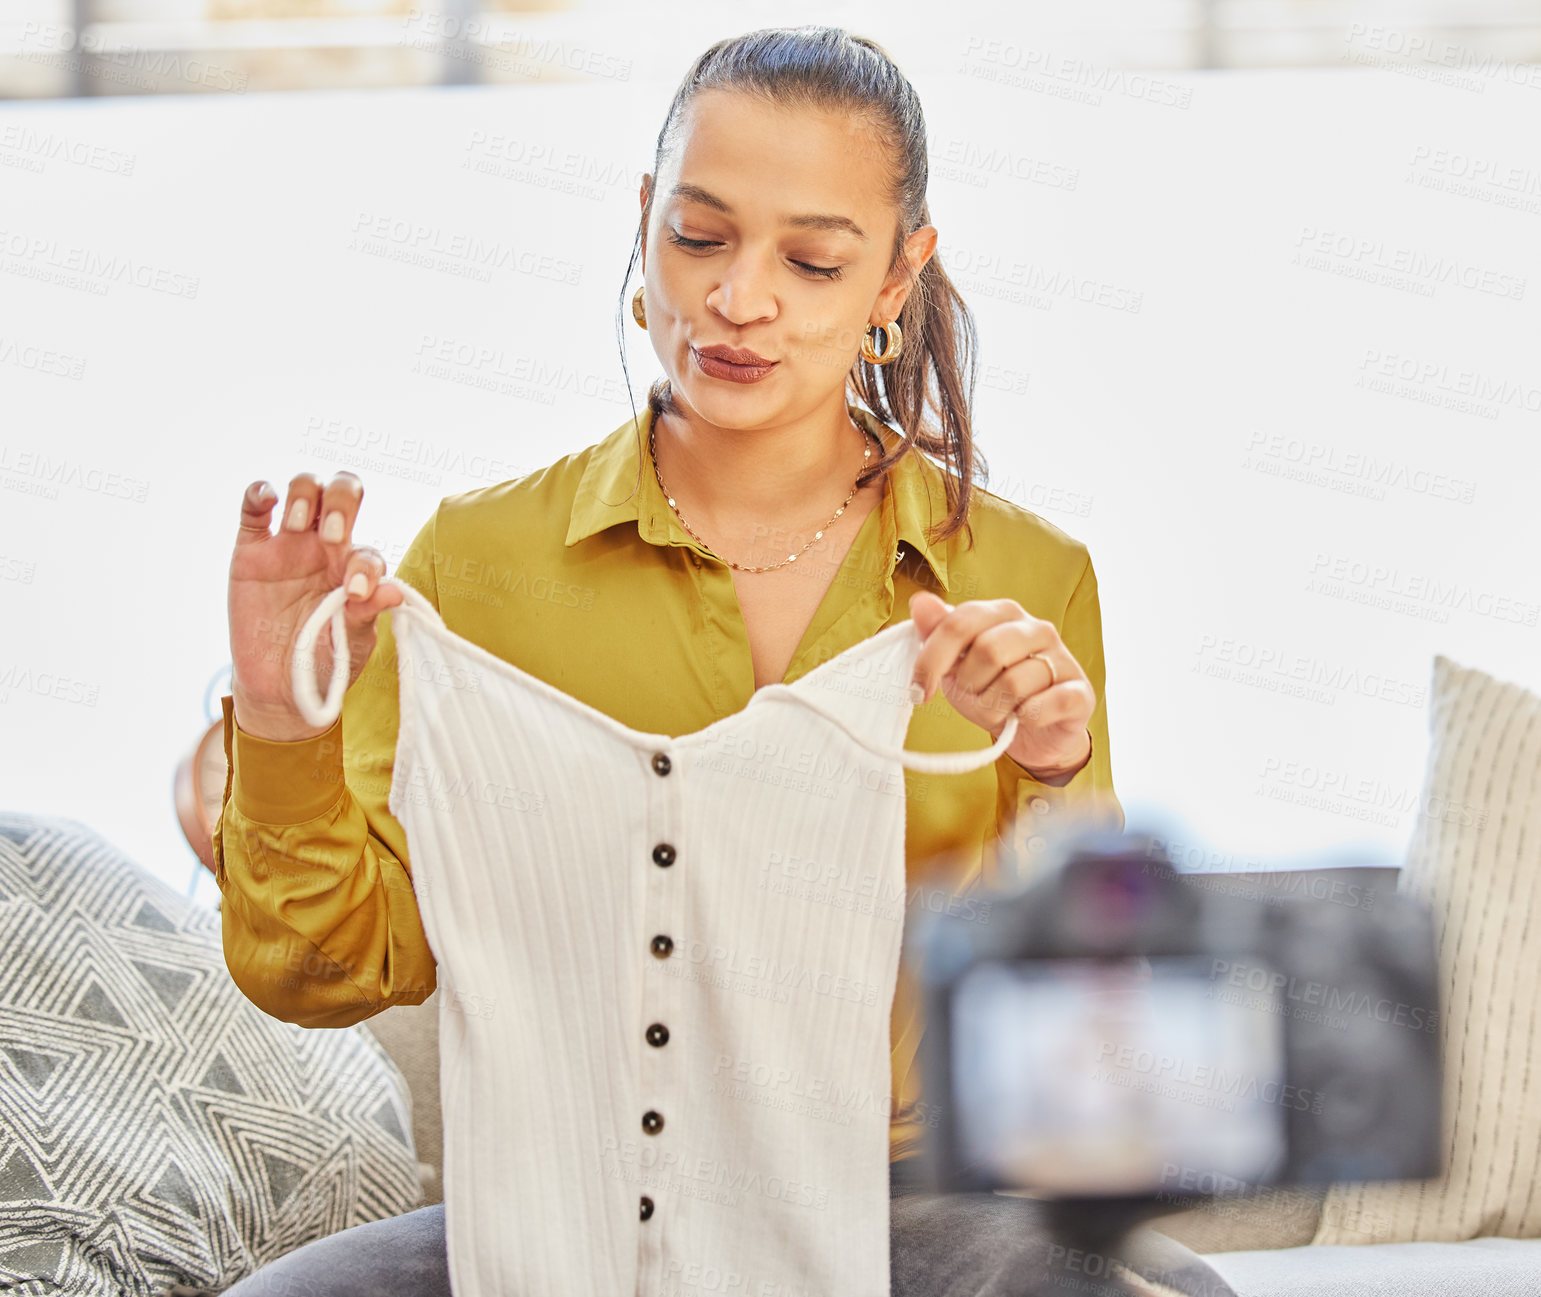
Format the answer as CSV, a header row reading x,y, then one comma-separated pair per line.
x,y
991,657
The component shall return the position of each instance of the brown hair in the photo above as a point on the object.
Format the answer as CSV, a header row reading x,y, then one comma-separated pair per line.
x,y
827,68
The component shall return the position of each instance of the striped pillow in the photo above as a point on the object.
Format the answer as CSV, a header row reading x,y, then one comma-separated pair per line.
x,y
1475,857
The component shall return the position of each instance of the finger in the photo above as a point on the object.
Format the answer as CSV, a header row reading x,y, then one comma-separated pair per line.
x,y
300,505
1010,692
362,576
1070,700
950,639
256,512
339,507
926,609
365,602
998,648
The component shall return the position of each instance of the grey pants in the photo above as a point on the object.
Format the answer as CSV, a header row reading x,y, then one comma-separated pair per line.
x,y
941,1245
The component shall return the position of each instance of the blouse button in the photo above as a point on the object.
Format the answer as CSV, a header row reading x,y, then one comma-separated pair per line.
x,y
1035,843
663,945
1040,807
647,1206
661,763
652,1121
663,854
658,1034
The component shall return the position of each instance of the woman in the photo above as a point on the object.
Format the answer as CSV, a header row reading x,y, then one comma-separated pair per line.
x,y
752,523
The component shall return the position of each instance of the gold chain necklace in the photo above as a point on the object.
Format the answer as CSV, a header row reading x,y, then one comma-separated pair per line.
x,y
652,446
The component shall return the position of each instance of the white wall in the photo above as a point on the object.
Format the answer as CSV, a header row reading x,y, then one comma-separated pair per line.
x,y
1164,436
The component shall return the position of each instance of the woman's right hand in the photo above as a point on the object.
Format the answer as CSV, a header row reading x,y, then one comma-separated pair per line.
x,y
276,581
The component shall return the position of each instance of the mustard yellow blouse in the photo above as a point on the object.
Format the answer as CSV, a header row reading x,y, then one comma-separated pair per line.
x,y
609,599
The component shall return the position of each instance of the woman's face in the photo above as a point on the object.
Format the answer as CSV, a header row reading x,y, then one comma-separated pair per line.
x,y
788,240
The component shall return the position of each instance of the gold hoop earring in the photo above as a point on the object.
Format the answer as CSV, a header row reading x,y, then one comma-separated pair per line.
x,y
893,343
638,311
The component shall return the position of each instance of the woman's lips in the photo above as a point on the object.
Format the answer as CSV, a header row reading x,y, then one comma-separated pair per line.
x,y
714,367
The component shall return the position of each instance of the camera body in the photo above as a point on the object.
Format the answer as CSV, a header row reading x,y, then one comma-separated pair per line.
x,y
1120,1030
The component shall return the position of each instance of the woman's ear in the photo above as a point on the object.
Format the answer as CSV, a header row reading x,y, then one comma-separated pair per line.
x,y
642,193
921,246
918,249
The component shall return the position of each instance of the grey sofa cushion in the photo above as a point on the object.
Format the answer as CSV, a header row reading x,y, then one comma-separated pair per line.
x,y
158,1131
1285,1216
1482,1267
410,1034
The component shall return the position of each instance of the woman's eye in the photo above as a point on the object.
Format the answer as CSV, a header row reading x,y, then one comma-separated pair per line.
x,y
689,243
824,272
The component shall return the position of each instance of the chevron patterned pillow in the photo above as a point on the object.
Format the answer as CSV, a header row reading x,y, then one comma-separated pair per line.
x,y
158,1132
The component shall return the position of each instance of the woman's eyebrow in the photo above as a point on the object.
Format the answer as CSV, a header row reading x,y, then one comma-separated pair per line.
x,y
813,221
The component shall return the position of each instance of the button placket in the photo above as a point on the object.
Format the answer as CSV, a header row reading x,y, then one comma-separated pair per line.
x,y
661,1083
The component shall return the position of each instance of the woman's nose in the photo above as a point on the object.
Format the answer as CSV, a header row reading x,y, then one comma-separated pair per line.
x,y
744,295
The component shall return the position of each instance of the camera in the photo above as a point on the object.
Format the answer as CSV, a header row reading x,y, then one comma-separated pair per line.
x,y
1119,1030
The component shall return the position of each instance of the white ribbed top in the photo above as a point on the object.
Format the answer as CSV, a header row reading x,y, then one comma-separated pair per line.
x,y
550,847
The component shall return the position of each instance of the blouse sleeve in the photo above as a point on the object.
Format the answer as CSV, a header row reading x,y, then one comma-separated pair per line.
x,y
320,923
1025,807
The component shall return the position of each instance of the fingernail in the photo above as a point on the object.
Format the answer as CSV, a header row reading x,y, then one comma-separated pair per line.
x,y
331,526
298,511
917,694
358,584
